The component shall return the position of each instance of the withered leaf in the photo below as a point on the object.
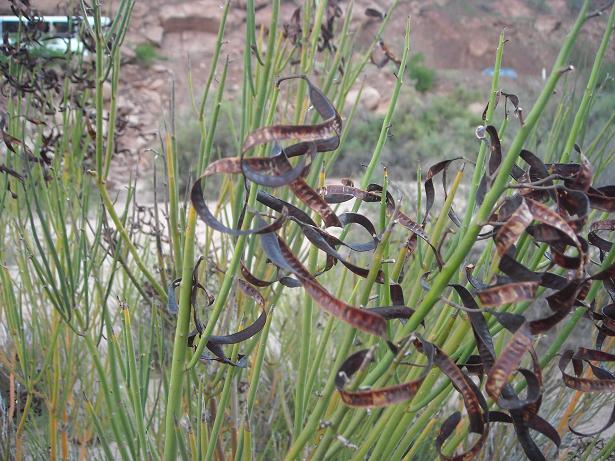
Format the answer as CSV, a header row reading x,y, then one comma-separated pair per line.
x,y
498,295
510,231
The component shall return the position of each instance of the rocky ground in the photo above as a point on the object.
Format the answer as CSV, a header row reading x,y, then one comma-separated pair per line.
x,y
450,34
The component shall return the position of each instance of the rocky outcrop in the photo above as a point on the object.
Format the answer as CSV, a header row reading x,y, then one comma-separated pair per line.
x,y
154,35
197,16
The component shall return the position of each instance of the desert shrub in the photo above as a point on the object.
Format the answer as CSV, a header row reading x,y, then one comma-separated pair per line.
x,y
540,6
188,142
422,75
147,54
426,128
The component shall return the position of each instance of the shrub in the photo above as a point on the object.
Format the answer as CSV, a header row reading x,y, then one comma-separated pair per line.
x,y
426,128
147,54
422,75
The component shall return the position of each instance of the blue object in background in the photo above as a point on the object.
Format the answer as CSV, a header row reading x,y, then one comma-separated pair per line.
x,y
504,72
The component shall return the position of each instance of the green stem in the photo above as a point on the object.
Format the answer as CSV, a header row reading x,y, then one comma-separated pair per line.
x,y
173,204
229,275
581,116
161,292
222,403
304,355
368,284
100,48
386,123
180,344
115,77
134,386
314,420
480,159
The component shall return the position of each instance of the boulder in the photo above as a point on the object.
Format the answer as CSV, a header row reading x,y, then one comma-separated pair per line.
x,y
128,55
107,93
134,120
141,10
159,69
476,108
154,35
370,98
196,16
127,107
263,18
157,84
132,143
478,46
546,24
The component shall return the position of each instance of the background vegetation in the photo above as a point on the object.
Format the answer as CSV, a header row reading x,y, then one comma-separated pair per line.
x,y
95,363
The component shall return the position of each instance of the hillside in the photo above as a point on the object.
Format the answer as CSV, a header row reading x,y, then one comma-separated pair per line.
x,y
170,40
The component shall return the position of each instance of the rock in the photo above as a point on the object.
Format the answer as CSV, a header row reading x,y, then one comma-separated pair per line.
x,y
159,69
370,98
154,35
157,84
476,108
106,91
263,18
236,17
128,54
183,44
152,98
478,47
351,97
263,15
513,9
140,10
414,9
132,143
546,24
196,16
125,105
559,8
134,120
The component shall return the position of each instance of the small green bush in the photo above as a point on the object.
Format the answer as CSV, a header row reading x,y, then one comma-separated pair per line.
x,y
539,5
434,126
188,139
147,54
422,75
574,5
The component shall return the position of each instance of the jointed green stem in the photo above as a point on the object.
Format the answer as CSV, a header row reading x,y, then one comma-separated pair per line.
x,y
480,159
180,344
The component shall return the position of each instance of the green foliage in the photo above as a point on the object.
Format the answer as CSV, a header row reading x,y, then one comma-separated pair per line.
x,y
147,54
540,6
422,75
188,139
606,77
425,129
574,5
